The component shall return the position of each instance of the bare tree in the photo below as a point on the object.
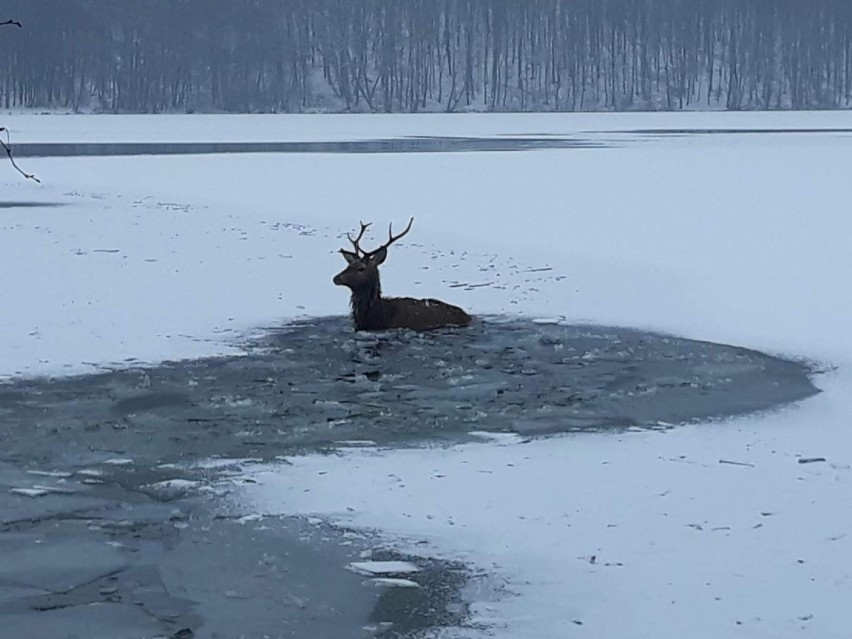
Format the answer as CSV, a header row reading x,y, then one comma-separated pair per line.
x,y
438,55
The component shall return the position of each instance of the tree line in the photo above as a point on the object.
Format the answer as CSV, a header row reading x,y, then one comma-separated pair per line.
x,y
426,55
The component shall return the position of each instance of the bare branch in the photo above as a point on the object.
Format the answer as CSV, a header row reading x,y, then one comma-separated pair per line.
x,y
7,146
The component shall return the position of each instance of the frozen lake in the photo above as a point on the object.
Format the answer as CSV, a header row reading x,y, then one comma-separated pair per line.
x,y
142,351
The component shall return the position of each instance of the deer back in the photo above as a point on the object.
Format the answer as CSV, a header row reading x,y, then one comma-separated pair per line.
x,y
422,315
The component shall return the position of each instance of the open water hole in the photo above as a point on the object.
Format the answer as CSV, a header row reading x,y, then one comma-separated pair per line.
x,y
316,383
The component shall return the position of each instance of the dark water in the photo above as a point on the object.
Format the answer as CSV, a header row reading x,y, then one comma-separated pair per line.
x,y
409,144
424,144
118,555
20,204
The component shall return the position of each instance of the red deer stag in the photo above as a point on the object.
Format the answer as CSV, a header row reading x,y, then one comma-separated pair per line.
x,y
371,311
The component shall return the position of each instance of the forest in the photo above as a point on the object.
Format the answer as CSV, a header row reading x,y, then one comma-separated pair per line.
x,y
154,56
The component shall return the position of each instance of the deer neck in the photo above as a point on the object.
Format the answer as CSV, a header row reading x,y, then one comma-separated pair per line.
x,y
367,309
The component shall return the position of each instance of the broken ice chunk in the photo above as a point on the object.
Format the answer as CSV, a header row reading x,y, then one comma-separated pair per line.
x,y
389,582
372,568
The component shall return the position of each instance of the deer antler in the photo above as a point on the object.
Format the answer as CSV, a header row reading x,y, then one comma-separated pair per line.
x,y
361,253
358,239
391,237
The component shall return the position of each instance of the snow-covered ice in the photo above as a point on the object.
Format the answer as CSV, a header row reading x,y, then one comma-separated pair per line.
x,y
741,239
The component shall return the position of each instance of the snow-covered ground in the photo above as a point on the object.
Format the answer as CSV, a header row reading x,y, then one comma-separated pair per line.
x,y
742,239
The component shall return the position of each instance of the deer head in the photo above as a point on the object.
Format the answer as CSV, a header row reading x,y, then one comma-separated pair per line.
x,y
372,312
362,274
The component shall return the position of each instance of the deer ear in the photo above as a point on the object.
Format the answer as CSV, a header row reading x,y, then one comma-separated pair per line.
x,y
379,256
349,256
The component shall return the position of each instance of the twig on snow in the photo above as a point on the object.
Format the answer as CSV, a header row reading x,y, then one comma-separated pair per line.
x,y
12,22
735,463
